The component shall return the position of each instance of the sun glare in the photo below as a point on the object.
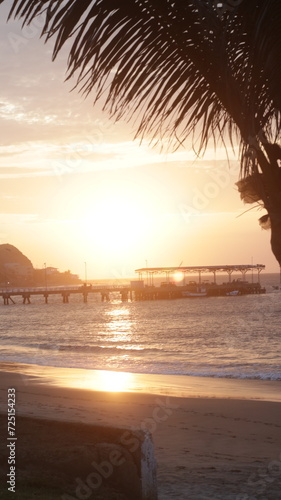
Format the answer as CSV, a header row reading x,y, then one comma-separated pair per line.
x,y
96,380
178,277
113,381
118,224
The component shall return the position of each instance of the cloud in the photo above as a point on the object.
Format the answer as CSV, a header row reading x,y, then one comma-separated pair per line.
x,y
14,218
35,100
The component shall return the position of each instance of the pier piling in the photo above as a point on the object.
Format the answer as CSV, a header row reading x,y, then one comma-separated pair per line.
x,y
105,297
124,296
65,298
6,298
26,298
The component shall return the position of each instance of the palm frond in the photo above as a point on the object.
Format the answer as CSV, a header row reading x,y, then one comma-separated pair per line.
x,y
181,69
265,222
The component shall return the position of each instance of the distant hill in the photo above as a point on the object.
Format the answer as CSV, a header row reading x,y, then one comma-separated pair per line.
x,y
17,270
15,267
11,255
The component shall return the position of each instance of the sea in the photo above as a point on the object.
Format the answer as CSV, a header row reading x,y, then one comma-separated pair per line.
x,y
236,337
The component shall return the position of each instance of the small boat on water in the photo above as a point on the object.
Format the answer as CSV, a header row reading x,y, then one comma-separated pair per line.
x,y
194,294
233,292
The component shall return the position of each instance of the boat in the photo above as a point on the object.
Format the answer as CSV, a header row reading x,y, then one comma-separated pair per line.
x,y
233,292
194,294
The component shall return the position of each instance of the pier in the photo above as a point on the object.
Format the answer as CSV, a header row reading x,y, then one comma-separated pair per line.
x,y
151,272
146,289
26,294
169,289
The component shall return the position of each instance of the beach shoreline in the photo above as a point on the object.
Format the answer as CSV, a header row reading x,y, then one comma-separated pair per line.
x,y
206,447
169,385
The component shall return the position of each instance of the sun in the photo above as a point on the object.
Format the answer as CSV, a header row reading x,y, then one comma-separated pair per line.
x,y
119,220
118,223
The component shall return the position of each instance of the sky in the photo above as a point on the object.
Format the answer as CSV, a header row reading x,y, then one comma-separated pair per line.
x,y
77,186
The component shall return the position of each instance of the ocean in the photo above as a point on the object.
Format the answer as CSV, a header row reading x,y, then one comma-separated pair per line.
x,y
235,337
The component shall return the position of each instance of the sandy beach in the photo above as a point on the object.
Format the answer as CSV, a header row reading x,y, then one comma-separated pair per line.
x,y
217,448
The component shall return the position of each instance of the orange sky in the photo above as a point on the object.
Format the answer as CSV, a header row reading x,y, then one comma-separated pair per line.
x,y
76,187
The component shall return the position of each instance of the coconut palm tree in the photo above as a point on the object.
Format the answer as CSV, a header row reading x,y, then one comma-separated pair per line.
x,y
183,68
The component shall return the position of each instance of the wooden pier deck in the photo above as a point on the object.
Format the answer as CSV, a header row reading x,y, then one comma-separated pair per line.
x,y
127,292
26,294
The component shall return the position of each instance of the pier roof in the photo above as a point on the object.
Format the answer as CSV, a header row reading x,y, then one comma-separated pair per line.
x,y
196,269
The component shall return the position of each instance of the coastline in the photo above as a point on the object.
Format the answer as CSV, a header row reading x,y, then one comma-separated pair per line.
x,y
206,446
169,385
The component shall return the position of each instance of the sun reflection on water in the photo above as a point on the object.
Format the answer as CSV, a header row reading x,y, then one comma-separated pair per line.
x,y
120,326
118,312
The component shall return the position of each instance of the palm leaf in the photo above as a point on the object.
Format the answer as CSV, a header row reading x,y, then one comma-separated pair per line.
x,y
184,69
